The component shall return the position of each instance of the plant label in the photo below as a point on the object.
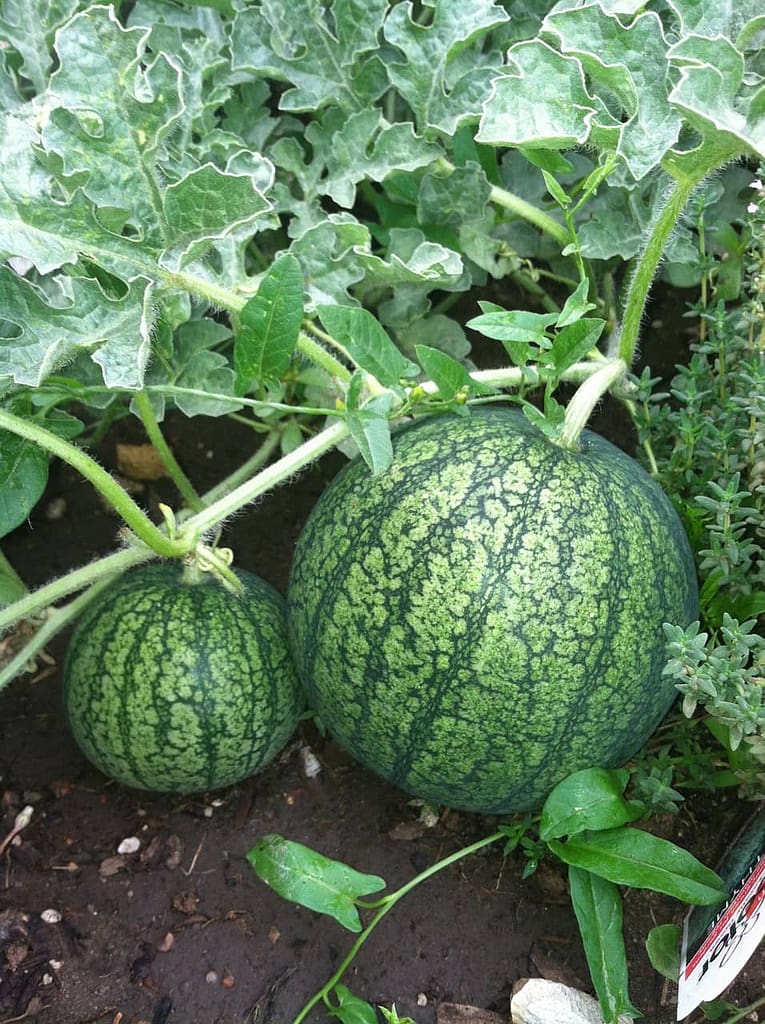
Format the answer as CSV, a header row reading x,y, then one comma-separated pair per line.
x,y
718,941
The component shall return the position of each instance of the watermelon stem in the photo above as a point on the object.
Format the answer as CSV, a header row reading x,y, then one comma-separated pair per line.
x,y
169,461
276,473
585,398
385,904
104,568
136,519
56,620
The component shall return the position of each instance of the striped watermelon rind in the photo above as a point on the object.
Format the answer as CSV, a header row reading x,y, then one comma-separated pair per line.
x,y
485,618
178,686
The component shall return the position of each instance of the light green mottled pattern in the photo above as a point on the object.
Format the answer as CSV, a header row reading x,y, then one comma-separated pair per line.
x,y
486,617
182,687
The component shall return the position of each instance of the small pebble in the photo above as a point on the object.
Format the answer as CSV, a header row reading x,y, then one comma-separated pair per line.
x,y
51,916
422,999
130,845
211,977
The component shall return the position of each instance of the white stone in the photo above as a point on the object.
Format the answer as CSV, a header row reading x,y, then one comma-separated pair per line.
x,y
547,1002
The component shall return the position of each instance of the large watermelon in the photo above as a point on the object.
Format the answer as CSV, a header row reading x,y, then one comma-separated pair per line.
x,y
485,617
179,686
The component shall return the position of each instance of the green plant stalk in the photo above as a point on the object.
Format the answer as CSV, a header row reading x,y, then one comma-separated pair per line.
x,y
586,397
155,435
321,358
104,568
385,904
274,474
55,622
255,463
135,518
648,262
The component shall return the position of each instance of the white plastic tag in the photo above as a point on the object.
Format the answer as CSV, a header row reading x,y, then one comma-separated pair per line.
x,y
717,944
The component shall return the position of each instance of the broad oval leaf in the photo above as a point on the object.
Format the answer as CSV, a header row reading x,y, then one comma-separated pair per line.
x,y
350,1009
304,876
270,324
23,476
629,856
589,799
663,949
598,908
367,343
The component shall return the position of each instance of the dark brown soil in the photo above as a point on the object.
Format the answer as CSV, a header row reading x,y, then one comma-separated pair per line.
x,y
182,930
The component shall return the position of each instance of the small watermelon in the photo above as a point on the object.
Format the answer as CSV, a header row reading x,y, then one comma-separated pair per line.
x,y
181,686
485,618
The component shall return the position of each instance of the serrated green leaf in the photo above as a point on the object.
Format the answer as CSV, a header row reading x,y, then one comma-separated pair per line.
x,y
598,908
442,93
189,361
447,374
270,324
116,332
350,1009
12,587
367,342
710,93
628,63
309,878
23,476
207,204
325,59
663,949
413,260
588,799
436,331
109,135
630,856
514,325
329,254
29,26
364,147
556,190
541,102
454,198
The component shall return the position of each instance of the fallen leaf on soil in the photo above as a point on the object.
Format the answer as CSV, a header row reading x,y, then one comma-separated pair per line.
x,y
112,865
186,901
457,1013
175,846
16,953
140,462
150,854
406,831
274,934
